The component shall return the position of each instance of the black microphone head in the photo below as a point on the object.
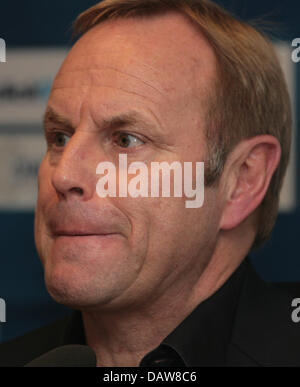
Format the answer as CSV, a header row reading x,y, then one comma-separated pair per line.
x,y
66,356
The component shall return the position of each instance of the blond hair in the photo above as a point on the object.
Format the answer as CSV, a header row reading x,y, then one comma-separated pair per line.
x,y
250,97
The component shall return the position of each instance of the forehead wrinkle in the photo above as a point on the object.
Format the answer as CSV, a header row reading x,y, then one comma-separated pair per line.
x,y
118,56
95,68
86,64
129,75
109,87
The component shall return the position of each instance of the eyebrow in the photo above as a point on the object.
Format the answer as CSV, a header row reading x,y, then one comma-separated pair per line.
x,y
53,117
130,118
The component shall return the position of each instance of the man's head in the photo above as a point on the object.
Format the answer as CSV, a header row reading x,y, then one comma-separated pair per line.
x,y
208,91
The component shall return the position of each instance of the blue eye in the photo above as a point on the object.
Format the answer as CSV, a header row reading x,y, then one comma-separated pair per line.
x,y
126,140
60,139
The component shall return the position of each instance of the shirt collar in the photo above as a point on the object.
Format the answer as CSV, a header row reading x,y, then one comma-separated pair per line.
x,y
202,338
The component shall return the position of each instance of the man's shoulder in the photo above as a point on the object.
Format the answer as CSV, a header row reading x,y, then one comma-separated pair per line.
x,y
264,333
20,351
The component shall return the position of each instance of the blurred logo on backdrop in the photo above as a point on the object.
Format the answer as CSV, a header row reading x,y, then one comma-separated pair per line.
x,y
25,84
24,89
34,91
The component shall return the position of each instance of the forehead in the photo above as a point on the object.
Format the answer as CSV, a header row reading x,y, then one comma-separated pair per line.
x,y
167,50
161,60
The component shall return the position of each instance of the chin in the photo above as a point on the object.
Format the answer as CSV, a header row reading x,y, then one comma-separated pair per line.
x,y
68,289
79,287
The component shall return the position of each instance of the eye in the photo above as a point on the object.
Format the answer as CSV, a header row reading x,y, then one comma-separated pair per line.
x,y
60,139
125,140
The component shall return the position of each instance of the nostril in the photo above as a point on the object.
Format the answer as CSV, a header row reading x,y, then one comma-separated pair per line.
x,y
77,190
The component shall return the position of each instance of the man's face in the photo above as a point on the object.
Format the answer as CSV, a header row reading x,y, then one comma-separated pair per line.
x,y
161,69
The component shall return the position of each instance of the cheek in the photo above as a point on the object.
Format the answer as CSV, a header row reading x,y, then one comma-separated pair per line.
x,y
160,220
44,178
180,231
45,193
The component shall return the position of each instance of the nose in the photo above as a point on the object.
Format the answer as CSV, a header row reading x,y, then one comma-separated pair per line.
x,y
74,174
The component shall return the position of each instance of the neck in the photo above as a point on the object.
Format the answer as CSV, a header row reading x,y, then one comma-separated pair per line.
x,y
123,337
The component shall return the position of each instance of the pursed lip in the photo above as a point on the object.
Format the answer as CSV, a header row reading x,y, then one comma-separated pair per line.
x,y
77,233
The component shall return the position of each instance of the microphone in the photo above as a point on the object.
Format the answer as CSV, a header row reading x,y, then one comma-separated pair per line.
x,y
66,356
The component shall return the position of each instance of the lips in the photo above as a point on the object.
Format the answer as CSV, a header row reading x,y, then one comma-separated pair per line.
x,y
78,219
74,233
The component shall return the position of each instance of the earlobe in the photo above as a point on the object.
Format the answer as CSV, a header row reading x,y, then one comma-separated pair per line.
x,y
252,163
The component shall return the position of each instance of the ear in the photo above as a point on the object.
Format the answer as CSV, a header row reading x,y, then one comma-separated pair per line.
x,y
246,178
